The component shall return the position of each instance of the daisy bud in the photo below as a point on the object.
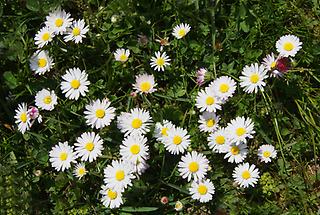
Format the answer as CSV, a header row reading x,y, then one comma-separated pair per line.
x,y
178,206
164,200
38,172
133,94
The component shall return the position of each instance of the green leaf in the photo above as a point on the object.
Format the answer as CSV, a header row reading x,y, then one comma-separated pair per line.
x,y
10,80
33,5
139,209
244,26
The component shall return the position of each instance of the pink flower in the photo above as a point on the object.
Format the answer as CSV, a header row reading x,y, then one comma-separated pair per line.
x,y
201,76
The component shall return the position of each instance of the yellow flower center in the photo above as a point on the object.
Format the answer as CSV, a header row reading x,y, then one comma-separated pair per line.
x,y
145,86
224,88
100,113
160,61
177,140
266,154
288,46
246,174
75,84
135,149
59,22
136,123
202,189
46,36
220,140
123,57
209,100
210,123
89,146
42,62
273,65
235,150
164,131
240,131
81,171
76,31
254,78
23,117
120,175
182,32
112,194
47,100
193,166
63,156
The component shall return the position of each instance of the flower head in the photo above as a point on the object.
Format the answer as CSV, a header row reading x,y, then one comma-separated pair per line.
x,y
246,175
207,100
252,78
89,146
122,55
145,84
202,190
58,21
288,45
41,62
46,99
177,140
219,141
76,31
22,118
240,129
266,152
181,30
111,198
75,83
80,170
208,121
160,61
43,36
61,156
236,153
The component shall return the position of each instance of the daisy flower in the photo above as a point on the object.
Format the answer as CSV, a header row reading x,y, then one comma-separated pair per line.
x,y
77,31
144,84
193,165
202,190
160,61
208,121
89,146
246,175
46,99
80,170
161,129
99,114
43,36
58,21
181,30
177,140
137,121
134,148
33,114
122,55
111,198
224,87
61,156
252,78
240,129
266,152
41,62
22,118
236,153
270,62
75,83
288,45
118,175
219,141
207,100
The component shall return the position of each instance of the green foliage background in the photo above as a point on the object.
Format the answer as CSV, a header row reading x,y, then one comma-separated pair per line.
x,y
225,36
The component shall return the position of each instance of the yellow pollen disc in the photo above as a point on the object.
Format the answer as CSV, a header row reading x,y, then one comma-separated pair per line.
x,y
123,57
89,146
23,117
177,140
254,78
100,113
47,100
210,123
288,46
42,62
220,140
75,84
112,194
240,131
266,154
135,149
136,123
164,131
182,32
209,100
246,174
76,31
160,61
145,86
273,65
46,36
193,166
202,189
63,156
59,22
235,150
224,88
120,175
81,171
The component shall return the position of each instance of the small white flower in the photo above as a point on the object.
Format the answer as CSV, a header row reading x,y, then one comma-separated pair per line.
x,y
160,61
207,100
134,148
43,36
252,78
122,55
61,156
111,198
193,165
75,83
181,30
202,190
161,129
144,84
77,31
177,140
58,21
236,153
41,62
288,45
246,175
266,152
224,87
22,118
208,121
219,141
89,146
178,206
46,99
270,62
240,129
80,170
